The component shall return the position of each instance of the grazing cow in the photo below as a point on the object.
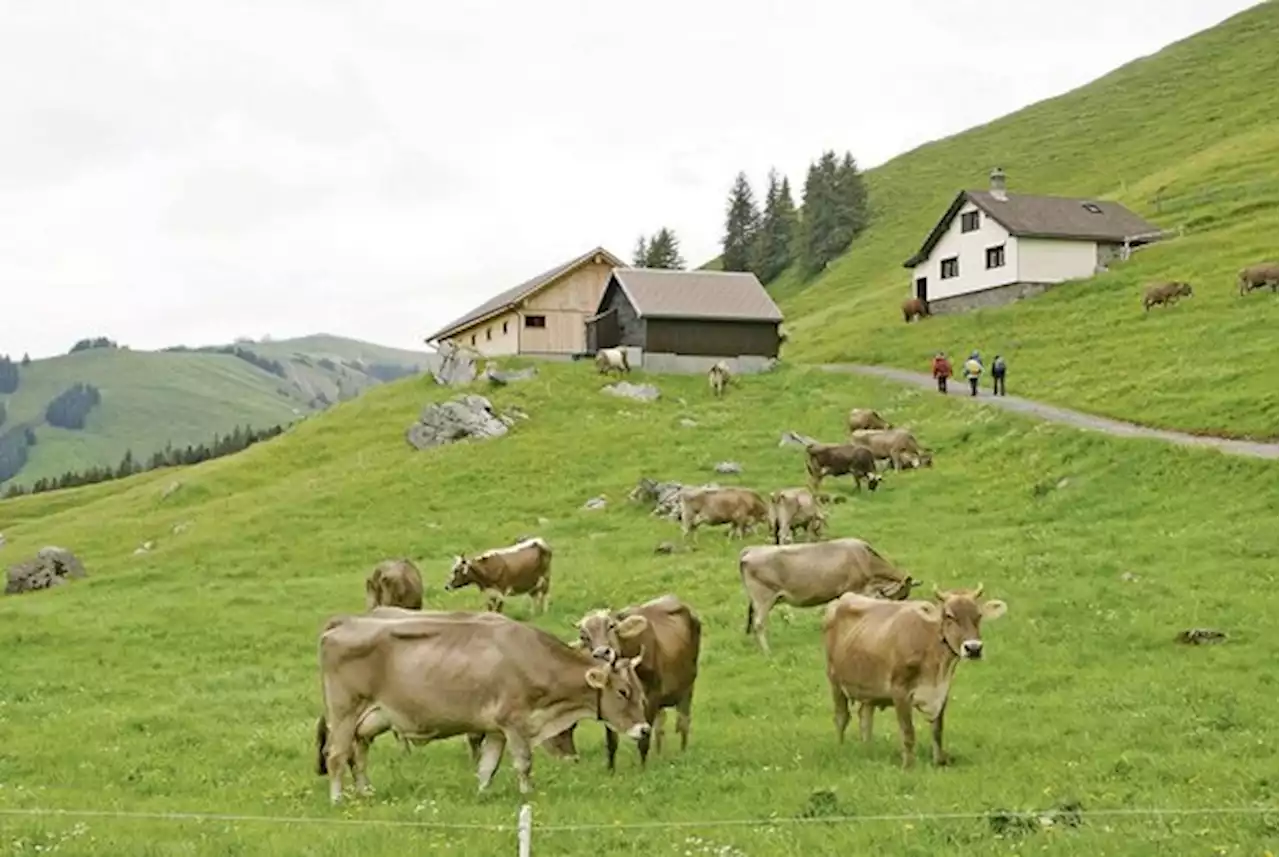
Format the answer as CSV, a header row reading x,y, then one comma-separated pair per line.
x,y
914,308
394,583
741,508
806,575
1257,277
898,446
866,418
902,654
1164,294
521,569
719,377
431,677
612,360
794,509
839,459
666,635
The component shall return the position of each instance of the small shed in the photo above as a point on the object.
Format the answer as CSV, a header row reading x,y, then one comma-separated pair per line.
x,y
687,313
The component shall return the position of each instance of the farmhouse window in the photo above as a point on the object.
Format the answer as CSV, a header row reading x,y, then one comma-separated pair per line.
x,y
504,328
951,267
473,339
535,321
488,334
969,221
995,257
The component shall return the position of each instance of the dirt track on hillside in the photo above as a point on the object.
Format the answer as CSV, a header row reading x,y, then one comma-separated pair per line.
x,y
1053,413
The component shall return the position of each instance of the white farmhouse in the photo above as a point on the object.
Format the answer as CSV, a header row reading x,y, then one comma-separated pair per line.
x,y
992,247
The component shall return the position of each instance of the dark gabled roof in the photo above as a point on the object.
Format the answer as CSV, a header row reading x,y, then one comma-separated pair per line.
x,y
718,295
1030,216
507,300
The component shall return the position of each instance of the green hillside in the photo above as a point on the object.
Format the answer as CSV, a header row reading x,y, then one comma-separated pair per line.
x,y
1188,139
150,398
185,680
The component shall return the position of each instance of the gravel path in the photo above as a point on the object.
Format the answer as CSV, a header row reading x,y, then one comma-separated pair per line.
x,y
1052,413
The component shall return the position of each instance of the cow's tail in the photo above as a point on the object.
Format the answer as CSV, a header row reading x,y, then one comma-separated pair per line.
x,y
322,745
751,607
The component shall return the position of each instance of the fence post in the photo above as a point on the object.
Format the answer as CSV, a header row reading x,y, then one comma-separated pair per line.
x,y
524,830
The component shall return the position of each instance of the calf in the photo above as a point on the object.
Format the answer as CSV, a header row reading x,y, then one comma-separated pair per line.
x,y
839,459
612,360
1257,277
521,569
666,636
806,575
794,509
1164,294
718,377
394,583
740,508
866,418
902,654
898,446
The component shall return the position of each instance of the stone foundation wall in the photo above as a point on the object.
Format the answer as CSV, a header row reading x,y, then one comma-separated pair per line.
x,y
680,364
998,296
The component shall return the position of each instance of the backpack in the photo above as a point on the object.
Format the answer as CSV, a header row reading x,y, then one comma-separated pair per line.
x,y
998,366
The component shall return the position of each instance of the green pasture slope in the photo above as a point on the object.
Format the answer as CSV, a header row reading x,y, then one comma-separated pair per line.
x,y
1186,137
185,680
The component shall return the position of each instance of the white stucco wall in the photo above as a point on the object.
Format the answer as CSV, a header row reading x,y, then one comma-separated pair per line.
x,y
971,249
1052,260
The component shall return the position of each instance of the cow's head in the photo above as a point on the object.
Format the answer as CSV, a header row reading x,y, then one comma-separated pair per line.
x,y
874,479
607,638
1183,289
459,574
960,615
620,700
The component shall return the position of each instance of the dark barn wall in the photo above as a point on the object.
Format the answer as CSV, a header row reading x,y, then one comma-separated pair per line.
x,y
630,327
712,338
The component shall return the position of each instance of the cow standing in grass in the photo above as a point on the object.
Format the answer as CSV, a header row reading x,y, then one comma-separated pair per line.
x,y
840,459
1258,277
866,418
394,583
741,508
905,653
520,569
898,446
719,377
914,308
1164,294
792,509
612,360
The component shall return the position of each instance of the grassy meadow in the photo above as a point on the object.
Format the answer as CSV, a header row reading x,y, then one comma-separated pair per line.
x,y
1187,138
185,680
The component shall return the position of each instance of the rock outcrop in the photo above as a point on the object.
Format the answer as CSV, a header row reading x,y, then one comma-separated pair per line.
x,y
51,566
458,419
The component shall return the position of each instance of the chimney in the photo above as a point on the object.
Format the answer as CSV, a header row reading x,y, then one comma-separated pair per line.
x,y
997,185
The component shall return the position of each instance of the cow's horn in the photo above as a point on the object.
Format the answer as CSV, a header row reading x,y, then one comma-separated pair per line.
x,y
977,593
937,593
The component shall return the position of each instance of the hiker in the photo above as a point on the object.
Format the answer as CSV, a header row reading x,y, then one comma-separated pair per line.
x,y
997,376
941,371
973,371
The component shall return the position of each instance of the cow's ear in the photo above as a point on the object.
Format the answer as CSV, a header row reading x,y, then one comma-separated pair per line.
x,y
632,626
994,609
598,678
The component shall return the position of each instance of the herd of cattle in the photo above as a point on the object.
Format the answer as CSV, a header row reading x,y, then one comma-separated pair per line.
x,y
427,675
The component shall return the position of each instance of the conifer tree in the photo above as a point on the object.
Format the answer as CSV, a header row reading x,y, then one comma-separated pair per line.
x,y
772,249
742,220
664,251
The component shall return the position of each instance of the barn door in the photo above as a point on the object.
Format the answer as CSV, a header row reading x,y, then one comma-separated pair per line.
x,y
608,334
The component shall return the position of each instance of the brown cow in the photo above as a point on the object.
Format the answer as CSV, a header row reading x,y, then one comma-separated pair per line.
x,y
741,508
666,635
898,446
794,509
719,377
904,654
866,418
431,678
806,575
1257,277
914,308
393,583
1164,294
520,569
840,459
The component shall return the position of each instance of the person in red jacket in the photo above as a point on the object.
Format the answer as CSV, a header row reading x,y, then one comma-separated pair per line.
x,y
941,371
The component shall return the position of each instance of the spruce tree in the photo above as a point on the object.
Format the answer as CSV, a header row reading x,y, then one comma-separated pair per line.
x,y
640,256
664,251
851,192
772,249
742,220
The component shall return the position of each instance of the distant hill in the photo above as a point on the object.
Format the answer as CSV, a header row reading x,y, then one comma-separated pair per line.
x,y
1187,138
185,395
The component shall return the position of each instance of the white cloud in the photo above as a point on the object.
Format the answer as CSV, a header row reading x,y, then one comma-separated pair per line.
x,y
187,172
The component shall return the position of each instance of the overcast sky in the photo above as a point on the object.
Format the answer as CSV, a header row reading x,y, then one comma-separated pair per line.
x,y
174,171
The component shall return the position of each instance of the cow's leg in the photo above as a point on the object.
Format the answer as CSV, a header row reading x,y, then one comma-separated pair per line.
x,y
762,606
684,717
610,748
866,716
940,756
340,740
643,744
659,719
474,742
902,705
521,760
490,756
493,603
373,723
839,709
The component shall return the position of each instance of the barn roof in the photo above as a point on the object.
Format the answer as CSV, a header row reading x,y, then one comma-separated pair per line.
x,y
710,295
511,297
1031,216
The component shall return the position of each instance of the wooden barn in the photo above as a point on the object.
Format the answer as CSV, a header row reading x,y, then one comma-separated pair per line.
x,y
686,313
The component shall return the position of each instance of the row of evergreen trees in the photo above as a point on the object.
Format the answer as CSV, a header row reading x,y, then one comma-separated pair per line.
x,y
70,408
660,251
170,456
95,342
13,450
9,373
766,242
